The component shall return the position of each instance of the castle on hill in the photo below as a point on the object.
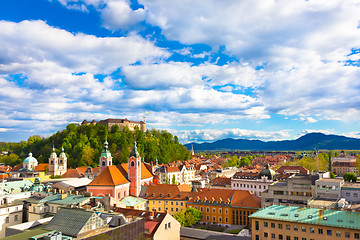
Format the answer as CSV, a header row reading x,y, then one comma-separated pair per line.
x,y
120,122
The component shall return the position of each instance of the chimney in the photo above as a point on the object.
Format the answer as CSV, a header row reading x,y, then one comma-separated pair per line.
x,y
151,215
107,202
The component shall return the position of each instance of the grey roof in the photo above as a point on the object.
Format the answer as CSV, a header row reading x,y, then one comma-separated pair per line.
x,y
69,200
70,221
205,234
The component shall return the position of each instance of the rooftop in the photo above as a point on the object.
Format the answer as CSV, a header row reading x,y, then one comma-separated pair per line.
x,y
314,216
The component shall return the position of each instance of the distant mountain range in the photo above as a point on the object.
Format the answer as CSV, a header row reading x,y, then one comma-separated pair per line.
x,y
309,141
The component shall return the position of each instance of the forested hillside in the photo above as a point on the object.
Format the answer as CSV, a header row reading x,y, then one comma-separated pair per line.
x,y
83,145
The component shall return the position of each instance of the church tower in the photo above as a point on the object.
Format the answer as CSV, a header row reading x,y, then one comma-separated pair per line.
x,y
105,157
134,172
62,162
53,163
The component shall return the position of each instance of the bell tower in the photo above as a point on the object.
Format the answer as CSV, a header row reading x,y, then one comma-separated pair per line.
x,y
62,162
53,163
134,171
105,157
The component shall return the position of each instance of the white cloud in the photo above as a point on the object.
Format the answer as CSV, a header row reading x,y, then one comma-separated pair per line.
x,y
209,135
308,119
118,15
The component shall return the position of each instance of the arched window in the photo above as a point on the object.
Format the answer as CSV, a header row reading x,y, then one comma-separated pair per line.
x,y
139,164
132,163
103,163
60,161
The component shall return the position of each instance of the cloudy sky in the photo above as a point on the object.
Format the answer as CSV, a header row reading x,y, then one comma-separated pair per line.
x,y
204,70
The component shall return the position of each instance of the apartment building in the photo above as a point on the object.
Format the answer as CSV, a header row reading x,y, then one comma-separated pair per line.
x,y
294,223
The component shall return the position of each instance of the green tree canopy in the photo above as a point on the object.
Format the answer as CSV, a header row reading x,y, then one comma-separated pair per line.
x,y
350,177
189,217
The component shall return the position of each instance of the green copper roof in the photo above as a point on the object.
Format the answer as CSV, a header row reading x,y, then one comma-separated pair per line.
x,y
134,152
30,159
106,153
322,217
69,200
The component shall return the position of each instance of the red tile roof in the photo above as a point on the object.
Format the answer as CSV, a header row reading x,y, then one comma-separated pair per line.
x,y
72,173
145,173
110,176
41,167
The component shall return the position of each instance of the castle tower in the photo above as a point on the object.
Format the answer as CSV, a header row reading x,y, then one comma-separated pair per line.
x,y
62,162
105,157
143,125
53,163
134,172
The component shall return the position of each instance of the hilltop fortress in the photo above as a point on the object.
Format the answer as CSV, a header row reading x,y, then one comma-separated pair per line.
x,y
120,122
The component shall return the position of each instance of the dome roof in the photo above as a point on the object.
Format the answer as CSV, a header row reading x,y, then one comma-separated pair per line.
x,y
30,159
53,154
269,173
62,154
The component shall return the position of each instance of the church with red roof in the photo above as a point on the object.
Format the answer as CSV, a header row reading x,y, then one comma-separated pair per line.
x,y
120,180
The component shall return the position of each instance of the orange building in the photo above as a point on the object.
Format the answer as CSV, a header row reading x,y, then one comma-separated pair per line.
x,y
121,180
225,206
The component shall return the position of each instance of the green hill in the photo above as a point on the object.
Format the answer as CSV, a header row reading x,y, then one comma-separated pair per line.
x,y
83,145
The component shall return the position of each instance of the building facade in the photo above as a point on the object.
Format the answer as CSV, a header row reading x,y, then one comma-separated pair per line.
x,y
296,191
122,123
57,165
293,223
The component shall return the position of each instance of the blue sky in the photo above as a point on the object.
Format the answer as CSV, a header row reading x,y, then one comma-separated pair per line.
x,y
203,70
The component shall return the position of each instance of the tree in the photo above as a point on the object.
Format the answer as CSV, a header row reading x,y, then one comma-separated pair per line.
x,y
173,180
87,156
189,217
350,177
332,175
167,180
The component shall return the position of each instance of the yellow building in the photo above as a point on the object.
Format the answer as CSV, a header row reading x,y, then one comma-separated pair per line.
x,y
293,223
225,206
168,198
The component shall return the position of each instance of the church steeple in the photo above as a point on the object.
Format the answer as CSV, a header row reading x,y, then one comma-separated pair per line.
x,y
134,171
105,158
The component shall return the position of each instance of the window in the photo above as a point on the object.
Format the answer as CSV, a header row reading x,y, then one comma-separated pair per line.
x,y
226,211
159,208
272,225
220,219
169,225
266,235
329,232
296,238
348,194
295,228
131,164
172,203
303,239
280,237
265,224
257,237
7,220
256,225
320,231
356,236
16,218
207,209
280,226
220,210
177,209
288,238
273,236
312,230
172,209
214,210
182,204
177,204
207,218
303,229
287,227
226,219
214,219
347,234
338,234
